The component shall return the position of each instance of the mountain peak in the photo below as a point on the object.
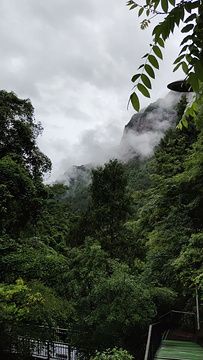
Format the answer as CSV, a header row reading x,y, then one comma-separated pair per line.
x,y
146,128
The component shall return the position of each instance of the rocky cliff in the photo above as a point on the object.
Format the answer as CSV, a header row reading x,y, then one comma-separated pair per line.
x,y
146,128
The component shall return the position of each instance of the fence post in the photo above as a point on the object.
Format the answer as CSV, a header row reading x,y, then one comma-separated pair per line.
x,y
48,355
148,343
69,352
197,309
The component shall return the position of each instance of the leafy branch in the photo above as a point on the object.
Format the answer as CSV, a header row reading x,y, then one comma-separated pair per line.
x,y
190,58
143,78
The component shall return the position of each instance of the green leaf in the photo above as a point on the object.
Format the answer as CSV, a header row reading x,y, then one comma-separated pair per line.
x,y
188,58
157,51
188,6
140,66
190,112
167,26
150,71
194,50
194,82
164,5
181,12
199,70
171,23
177,67
135,101
180,126
172,2
183,49
195,106
153,61
135,77
143,90
133,6
190,18
140,11
186,39
160,42
179,58
129,3
144,56
185,123
156,3
176,14
187,28
184,67
195,4
157,30
146,81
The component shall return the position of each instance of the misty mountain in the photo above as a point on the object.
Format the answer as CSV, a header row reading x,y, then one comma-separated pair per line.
x,y
146,128
142,133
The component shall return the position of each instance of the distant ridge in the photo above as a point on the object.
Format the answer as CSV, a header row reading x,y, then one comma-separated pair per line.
x,y
142,133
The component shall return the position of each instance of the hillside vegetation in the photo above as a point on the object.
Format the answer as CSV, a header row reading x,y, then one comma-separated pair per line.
x,y
107,259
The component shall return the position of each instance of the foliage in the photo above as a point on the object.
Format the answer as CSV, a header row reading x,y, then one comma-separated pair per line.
x,y
78,192
19,302
53,225
106,297
173,211
173,147
57,311
30,311
19,132
20,197
22,166
31,259
139,172
189,264
110,202
113,354
188,13
107,268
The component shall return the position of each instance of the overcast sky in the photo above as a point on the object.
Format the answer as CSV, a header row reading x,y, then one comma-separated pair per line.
x,y
74,59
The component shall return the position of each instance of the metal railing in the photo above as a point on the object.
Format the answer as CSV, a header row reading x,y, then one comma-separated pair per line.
x,y
50,350
39,342
173,320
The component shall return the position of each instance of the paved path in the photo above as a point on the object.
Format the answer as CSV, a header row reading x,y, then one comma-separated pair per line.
x,y
179,350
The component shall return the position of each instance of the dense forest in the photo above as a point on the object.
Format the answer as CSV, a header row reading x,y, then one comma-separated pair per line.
x,y
107,259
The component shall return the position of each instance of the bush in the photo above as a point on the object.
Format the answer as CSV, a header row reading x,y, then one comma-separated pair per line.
x,y
113,354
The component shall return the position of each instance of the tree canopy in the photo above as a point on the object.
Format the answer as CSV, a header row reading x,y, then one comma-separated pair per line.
x,y
106,268
22,164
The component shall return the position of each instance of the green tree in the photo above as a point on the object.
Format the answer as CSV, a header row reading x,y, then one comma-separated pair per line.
x,y
172,149
111,204
188,13
172,218
22,166
32,260
53,225
189,264
19,132
18,302
113,306
30,311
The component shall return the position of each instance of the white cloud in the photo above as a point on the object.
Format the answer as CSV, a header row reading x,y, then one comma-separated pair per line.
x,y
74,60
